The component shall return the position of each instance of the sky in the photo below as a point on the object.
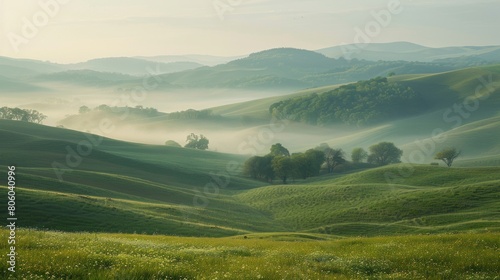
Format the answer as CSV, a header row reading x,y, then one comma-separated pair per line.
x,y
67,31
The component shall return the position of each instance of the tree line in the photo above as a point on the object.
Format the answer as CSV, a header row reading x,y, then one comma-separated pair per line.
x,y
279,163
360,103
137,110
18,114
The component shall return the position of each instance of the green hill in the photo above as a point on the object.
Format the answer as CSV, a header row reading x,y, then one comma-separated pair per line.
x,y
440,94
127,187
288,68
373,202
118,179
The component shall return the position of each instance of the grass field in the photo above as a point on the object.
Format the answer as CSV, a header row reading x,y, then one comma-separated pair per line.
x,y
397,199
136,188
122,210
57,255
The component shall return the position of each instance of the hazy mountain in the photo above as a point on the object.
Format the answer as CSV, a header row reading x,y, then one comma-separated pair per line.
x,y
9,85
208,60
294,68
133,66
408,52
31,65
15,72
86,78
281,68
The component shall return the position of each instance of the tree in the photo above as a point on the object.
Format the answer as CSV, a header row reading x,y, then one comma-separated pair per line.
x,y
250,167
259,168
84,110
18,114
300,166
358,155
278,150
172,143
282,167
384,153
197,142
333,158
315,159
448,155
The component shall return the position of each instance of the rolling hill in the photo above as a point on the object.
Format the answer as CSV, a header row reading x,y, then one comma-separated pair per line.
x,y
282,68
439,92
126,187
133,66
411,52
293,69
137,182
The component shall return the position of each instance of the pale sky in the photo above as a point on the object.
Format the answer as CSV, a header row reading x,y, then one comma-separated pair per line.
x,y
78,30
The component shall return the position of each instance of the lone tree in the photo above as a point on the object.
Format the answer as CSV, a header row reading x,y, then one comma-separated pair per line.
x,y
384,153
197,142
358,155
448,155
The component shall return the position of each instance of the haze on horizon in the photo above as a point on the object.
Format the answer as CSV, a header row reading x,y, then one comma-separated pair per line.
x,y
84,29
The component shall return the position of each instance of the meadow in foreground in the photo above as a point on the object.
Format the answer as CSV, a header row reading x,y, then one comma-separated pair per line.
x,y
56,255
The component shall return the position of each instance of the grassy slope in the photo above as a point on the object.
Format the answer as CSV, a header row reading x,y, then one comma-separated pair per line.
x,y
259,109
475,138
55,255
160,188
439,90
152,189
382,201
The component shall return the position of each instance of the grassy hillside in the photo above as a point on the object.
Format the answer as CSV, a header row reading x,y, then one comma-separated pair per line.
x,y
162,188
445,89
128,187
475,138
56,255
382,201
439,90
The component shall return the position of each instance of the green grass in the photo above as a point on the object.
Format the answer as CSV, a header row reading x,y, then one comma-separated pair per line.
x,y
383,202
56,255
162,189
127,187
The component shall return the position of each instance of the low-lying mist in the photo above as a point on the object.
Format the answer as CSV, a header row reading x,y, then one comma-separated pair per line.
x,y
234,133
63,99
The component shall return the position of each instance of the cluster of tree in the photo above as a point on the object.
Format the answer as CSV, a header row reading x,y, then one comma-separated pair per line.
x,y
18,114
280,164
360,103
192,115
137,110
152,112
199,142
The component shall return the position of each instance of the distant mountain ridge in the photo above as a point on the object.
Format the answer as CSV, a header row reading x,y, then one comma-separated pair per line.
x,y
409,52
280,68
133,66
